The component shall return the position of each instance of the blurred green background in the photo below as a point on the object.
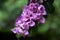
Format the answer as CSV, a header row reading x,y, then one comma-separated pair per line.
x,y
10,9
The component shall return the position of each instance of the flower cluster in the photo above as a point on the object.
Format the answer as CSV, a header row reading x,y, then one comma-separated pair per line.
x,y
31,13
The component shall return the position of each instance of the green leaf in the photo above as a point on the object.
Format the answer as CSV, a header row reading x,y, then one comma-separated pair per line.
x,y
3,15
57,6
11,5
44,28
18,36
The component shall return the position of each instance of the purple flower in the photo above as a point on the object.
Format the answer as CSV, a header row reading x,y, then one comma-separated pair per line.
x,y
41,20
26,32
20,31
41,9
33,7
31,13
35,1
17,30
31,23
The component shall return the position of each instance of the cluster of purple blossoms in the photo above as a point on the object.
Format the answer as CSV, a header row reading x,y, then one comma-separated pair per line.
x,y
31,13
